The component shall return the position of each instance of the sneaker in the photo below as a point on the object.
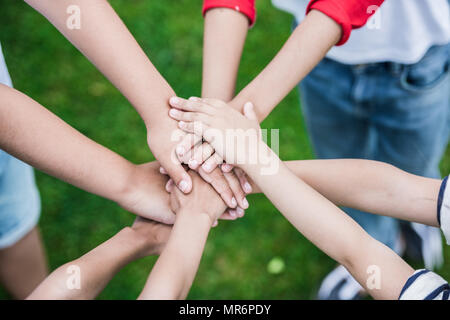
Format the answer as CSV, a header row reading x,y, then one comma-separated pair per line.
x,y
340,285
423,243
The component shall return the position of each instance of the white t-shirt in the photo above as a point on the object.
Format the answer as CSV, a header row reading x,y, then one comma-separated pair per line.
x,y
4,75
400,31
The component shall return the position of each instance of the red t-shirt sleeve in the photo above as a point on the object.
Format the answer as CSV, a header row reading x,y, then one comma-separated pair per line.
x,y
349,14
246,7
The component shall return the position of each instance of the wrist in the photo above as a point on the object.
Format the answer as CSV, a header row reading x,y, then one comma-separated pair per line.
x,y
195,216
135,244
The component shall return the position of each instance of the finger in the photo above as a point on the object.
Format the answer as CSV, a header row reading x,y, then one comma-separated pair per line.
x,y
176,171
192,105
226,167
220,184
246,186
212,162
215,224
189,116
200,154
226,215
249,111
240,212
169,185
194,127
235,186
186,144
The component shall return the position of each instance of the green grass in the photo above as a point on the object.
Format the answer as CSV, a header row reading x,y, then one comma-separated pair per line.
x,y
47,68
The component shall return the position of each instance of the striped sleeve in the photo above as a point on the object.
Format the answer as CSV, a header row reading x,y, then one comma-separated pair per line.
x,y
425,285
246,7
443,209
349,14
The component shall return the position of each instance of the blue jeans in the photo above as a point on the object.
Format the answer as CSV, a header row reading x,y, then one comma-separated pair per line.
x,y
399,114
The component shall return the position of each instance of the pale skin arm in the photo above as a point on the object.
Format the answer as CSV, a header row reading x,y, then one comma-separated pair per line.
x,y
107,43
332,231
97,267
224,36
372,186
173,274
35,135
304,49
318,219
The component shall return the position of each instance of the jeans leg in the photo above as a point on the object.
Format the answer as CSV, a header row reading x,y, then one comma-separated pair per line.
x,y
412,117
339,127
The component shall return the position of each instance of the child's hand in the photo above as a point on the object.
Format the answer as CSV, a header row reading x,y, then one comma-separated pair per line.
x,y
145,194
203,199
153,235
222,126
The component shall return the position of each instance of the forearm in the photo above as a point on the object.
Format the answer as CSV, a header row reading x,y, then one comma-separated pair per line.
x,y
334,232
372,186
35,135
85,278
107,43
307,45
225,31
174,272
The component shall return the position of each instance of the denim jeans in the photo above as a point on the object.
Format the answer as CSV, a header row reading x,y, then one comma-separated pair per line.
x,y
399,114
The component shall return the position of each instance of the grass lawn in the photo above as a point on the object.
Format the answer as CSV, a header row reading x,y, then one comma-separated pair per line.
x,y
235,264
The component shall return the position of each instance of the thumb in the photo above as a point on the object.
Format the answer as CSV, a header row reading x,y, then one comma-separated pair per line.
x,y
249,111
176,171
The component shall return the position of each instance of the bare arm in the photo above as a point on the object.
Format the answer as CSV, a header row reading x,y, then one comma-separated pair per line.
x,y
35,135
107,43
318,219
223,41
87,276
332,231
307,45
174,272
371,186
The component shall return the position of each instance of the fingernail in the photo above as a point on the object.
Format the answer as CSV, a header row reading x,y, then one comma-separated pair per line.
x,y
207,167
173,112
247,187
181,124
233,202
169,185
180,150
162,170
232,213
183,185
193,164
240,211
245,203
174,100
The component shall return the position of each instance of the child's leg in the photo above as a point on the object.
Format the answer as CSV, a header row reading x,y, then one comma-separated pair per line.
x,y
23,263
23,266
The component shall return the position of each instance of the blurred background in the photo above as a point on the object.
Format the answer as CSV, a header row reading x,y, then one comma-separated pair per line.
x,y
258,257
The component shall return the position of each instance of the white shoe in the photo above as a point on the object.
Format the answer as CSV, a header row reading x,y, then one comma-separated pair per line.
x,y
339,285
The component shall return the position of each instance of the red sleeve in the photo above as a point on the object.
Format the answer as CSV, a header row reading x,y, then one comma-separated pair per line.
x,y
246,7
349,14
